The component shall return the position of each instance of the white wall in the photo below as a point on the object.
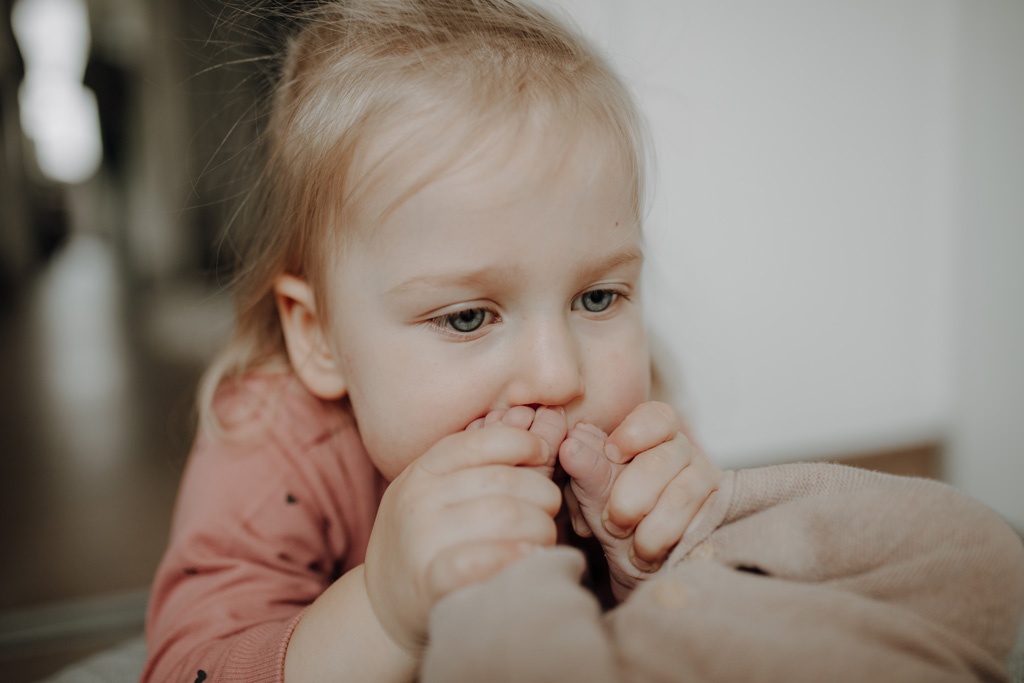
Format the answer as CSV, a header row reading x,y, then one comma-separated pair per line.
x,y
987,426
817,183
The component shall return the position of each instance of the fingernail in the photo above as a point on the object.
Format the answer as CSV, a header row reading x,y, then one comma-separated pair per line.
x,y
643,565
580,527
646,567
612,528
612,452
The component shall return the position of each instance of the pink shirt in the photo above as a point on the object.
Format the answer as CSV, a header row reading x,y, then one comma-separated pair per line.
x,y
267,518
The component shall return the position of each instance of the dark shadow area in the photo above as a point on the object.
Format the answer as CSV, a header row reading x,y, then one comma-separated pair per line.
x,y
111,305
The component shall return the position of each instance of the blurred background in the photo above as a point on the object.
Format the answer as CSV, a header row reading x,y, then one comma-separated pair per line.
x,y
836,258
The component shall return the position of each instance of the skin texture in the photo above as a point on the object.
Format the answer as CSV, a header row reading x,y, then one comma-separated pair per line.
x,y
636,490
487,318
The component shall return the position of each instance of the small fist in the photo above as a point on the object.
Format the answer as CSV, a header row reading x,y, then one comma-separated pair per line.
x,y
477,501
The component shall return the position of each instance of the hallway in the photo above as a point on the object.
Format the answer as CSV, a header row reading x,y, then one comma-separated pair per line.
x,y
95,423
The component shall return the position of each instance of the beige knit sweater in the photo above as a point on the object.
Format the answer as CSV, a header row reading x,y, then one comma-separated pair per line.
x,y
806,572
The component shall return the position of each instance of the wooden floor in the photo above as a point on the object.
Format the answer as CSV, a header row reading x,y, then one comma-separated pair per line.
x,y
95,423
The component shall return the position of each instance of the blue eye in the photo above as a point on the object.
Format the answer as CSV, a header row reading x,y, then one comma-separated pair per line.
x,y
469,320
598,300
466,324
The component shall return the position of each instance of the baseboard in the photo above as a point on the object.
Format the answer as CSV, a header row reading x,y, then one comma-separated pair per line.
x,y
919,460
84,619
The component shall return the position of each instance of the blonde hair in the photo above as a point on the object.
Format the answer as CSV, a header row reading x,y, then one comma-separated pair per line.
x,y
356,69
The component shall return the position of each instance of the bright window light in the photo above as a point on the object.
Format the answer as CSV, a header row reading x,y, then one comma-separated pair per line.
x,y
58,114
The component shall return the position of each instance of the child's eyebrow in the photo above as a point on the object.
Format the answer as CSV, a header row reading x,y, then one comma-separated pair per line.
x,y
473,278
482,276
588,271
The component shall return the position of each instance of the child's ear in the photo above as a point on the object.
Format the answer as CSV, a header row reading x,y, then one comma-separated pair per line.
x,y
309,349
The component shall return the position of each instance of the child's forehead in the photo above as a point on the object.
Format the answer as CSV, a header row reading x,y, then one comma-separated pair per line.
x,y
408,156
536,189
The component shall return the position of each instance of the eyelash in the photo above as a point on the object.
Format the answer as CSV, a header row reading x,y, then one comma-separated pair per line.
x,y
445,323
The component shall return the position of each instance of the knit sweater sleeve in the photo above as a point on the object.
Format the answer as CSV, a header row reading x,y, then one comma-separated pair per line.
x,y
802,572
263,524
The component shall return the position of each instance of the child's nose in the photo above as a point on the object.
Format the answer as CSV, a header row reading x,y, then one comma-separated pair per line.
x,y
548,369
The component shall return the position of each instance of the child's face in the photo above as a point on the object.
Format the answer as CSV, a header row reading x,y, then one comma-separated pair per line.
x,y
511,280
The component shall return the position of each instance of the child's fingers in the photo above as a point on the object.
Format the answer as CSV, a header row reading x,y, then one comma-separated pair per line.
x,y
680,501
637,489
490,418
524,483
468,563
491,518
517,416
647,426
547,423
495,445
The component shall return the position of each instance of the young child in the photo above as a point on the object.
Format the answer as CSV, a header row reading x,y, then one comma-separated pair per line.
x,y
440,313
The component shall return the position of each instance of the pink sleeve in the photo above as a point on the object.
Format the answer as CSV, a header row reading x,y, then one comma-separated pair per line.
x,y
262,526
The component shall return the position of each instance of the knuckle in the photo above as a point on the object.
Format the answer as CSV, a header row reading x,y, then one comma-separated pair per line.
x,y
653,538
624,508
502,479
504,511
502,443
661,459
682,490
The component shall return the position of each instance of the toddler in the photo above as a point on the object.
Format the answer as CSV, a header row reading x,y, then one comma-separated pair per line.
x,y
439,317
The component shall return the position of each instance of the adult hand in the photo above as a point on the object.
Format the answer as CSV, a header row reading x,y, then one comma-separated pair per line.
x,y
637,490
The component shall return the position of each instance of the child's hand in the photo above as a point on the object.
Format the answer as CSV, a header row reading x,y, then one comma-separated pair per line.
x,y
547,423
636,490
459,514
